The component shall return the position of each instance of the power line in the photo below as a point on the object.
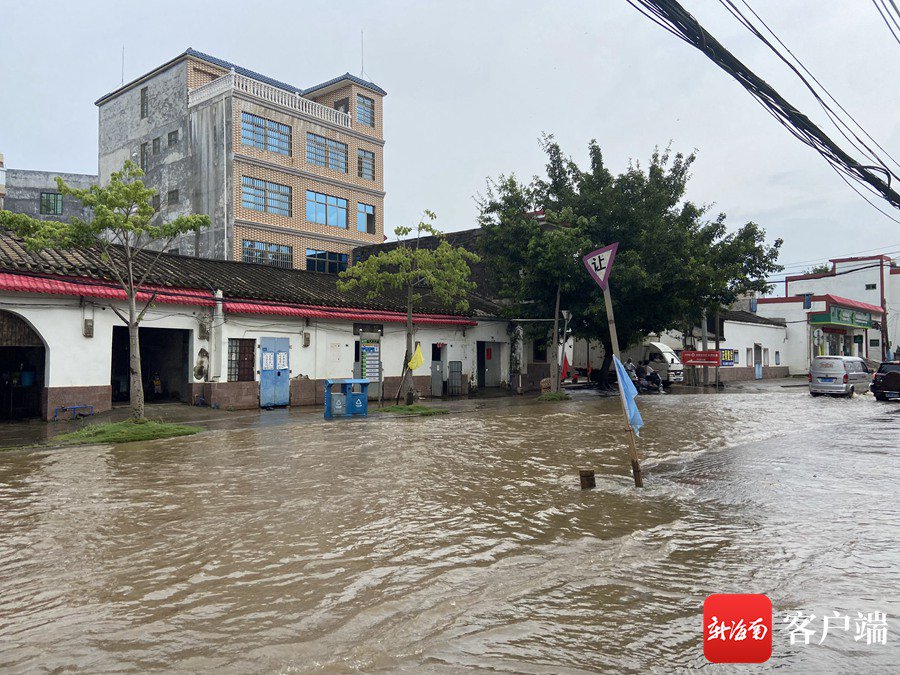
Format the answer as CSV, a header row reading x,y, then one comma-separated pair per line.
x,y
884,17
835,118
674,18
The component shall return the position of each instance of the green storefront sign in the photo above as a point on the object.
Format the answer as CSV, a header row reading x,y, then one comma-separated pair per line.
x,y
839,316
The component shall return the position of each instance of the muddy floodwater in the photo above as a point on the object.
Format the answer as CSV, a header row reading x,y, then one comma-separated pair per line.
x,y
455,542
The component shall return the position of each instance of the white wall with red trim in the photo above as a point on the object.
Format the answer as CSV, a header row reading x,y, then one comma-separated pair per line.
x,y
73,360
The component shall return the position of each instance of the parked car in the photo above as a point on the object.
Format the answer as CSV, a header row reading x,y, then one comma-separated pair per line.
x,y
886,381
837,375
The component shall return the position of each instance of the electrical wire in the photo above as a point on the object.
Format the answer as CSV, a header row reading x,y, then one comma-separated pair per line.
x,y
884,17
674,18
843,127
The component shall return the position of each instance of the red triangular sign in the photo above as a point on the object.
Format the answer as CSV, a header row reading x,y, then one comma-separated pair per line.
x,y
599,263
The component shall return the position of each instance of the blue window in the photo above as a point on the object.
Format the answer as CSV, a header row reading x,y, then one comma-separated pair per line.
x,y
365,110
365,164
261,195
365,218
323,151
260,252
326,210
315,149
260,132
325,261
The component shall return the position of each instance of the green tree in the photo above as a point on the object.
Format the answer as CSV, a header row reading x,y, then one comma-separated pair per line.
x,y
535,257
672,263
438,270
821,268
121,231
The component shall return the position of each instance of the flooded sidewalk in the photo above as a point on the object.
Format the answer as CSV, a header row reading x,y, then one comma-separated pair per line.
x,y
456,541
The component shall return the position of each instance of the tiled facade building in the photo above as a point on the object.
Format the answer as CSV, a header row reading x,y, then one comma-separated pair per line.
x,y
290,177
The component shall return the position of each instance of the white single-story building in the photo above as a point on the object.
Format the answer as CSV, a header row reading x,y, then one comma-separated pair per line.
x,y
228,334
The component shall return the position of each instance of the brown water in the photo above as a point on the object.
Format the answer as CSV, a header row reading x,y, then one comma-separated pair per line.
x,y
453,542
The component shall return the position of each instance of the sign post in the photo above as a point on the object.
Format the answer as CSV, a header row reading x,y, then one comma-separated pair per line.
x,y
598,265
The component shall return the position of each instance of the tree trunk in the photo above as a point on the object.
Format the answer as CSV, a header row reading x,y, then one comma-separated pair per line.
x,y
409,348
554,345
603,379
134,357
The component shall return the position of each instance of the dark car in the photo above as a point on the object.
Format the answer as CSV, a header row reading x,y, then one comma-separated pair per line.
x,y
886,381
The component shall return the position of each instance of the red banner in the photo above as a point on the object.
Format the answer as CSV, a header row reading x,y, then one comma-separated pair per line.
x,y
709,357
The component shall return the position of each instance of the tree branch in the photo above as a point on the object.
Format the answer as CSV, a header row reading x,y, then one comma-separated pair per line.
x,y
146,307
153,263
119,314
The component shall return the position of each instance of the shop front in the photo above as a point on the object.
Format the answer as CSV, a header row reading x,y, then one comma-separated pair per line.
x,y
843,330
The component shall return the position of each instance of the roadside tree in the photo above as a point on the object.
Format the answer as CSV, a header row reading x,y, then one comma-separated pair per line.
x,y
671,265
121,231
440,272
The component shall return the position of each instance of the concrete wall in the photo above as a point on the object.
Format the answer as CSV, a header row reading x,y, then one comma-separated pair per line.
x,y
24,190
331,349
122,131
78,368
211,178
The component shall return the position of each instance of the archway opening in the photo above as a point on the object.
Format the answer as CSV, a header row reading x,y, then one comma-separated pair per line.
x,y
22,360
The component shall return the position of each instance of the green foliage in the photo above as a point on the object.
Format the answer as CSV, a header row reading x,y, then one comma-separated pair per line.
x,y
419,410
122,227
822,268
441,272
554,396
672,263
122,215
124,432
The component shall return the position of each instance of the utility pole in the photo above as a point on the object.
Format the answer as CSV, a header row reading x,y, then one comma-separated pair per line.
x,y
554,344
704,337
718,336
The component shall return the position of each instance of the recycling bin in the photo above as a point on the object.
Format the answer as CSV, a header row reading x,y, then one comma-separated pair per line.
x,y
342,401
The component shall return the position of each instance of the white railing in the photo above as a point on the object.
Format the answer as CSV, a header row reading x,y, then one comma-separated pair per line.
x,y
270,94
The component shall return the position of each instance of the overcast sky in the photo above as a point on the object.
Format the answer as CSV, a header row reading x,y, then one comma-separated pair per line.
x,y
472,85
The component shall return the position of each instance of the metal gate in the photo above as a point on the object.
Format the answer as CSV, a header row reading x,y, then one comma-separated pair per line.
x,y
274,372
454,379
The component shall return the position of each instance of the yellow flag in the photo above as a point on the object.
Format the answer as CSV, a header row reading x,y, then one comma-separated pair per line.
x,y
417,359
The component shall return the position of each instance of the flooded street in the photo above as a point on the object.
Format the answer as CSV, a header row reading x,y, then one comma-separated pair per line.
x,y
457,541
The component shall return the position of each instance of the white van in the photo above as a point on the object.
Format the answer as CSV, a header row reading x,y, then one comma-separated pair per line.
x,y
662,359
838,375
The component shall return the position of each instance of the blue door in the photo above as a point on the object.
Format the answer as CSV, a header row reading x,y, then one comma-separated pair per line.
x,y
274,372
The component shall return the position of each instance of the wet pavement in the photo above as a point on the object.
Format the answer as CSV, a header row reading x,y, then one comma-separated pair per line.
x,y
455,542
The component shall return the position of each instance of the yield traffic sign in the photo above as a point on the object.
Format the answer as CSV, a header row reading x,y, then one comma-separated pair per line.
x,y
599,263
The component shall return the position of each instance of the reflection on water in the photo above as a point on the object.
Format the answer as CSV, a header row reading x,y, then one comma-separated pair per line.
x,y
455,541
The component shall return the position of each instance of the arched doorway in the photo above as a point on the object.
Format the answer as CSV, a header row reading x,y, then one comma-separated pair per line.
x,y
22,360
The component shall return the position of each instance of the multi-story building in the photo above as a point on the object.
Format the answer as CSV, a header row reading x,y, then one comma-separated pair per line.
x,y
36,194
289,176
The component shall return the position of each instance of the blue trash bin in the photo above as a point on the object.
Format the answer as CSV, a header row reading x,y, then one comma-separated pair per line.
x,y
342,401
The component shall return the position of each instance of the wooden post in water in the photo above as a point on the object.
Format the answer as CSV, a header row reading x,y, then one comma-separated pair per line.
x,y
614,339
587,479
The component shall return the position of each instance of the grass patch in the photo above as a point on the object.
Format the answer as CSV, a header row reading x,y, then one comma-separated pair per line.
x,y
554,396
421,410
123,432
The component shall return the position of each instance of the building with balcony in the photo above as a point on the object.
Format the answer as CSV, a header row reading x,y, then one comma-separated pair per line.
x,y
290,176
